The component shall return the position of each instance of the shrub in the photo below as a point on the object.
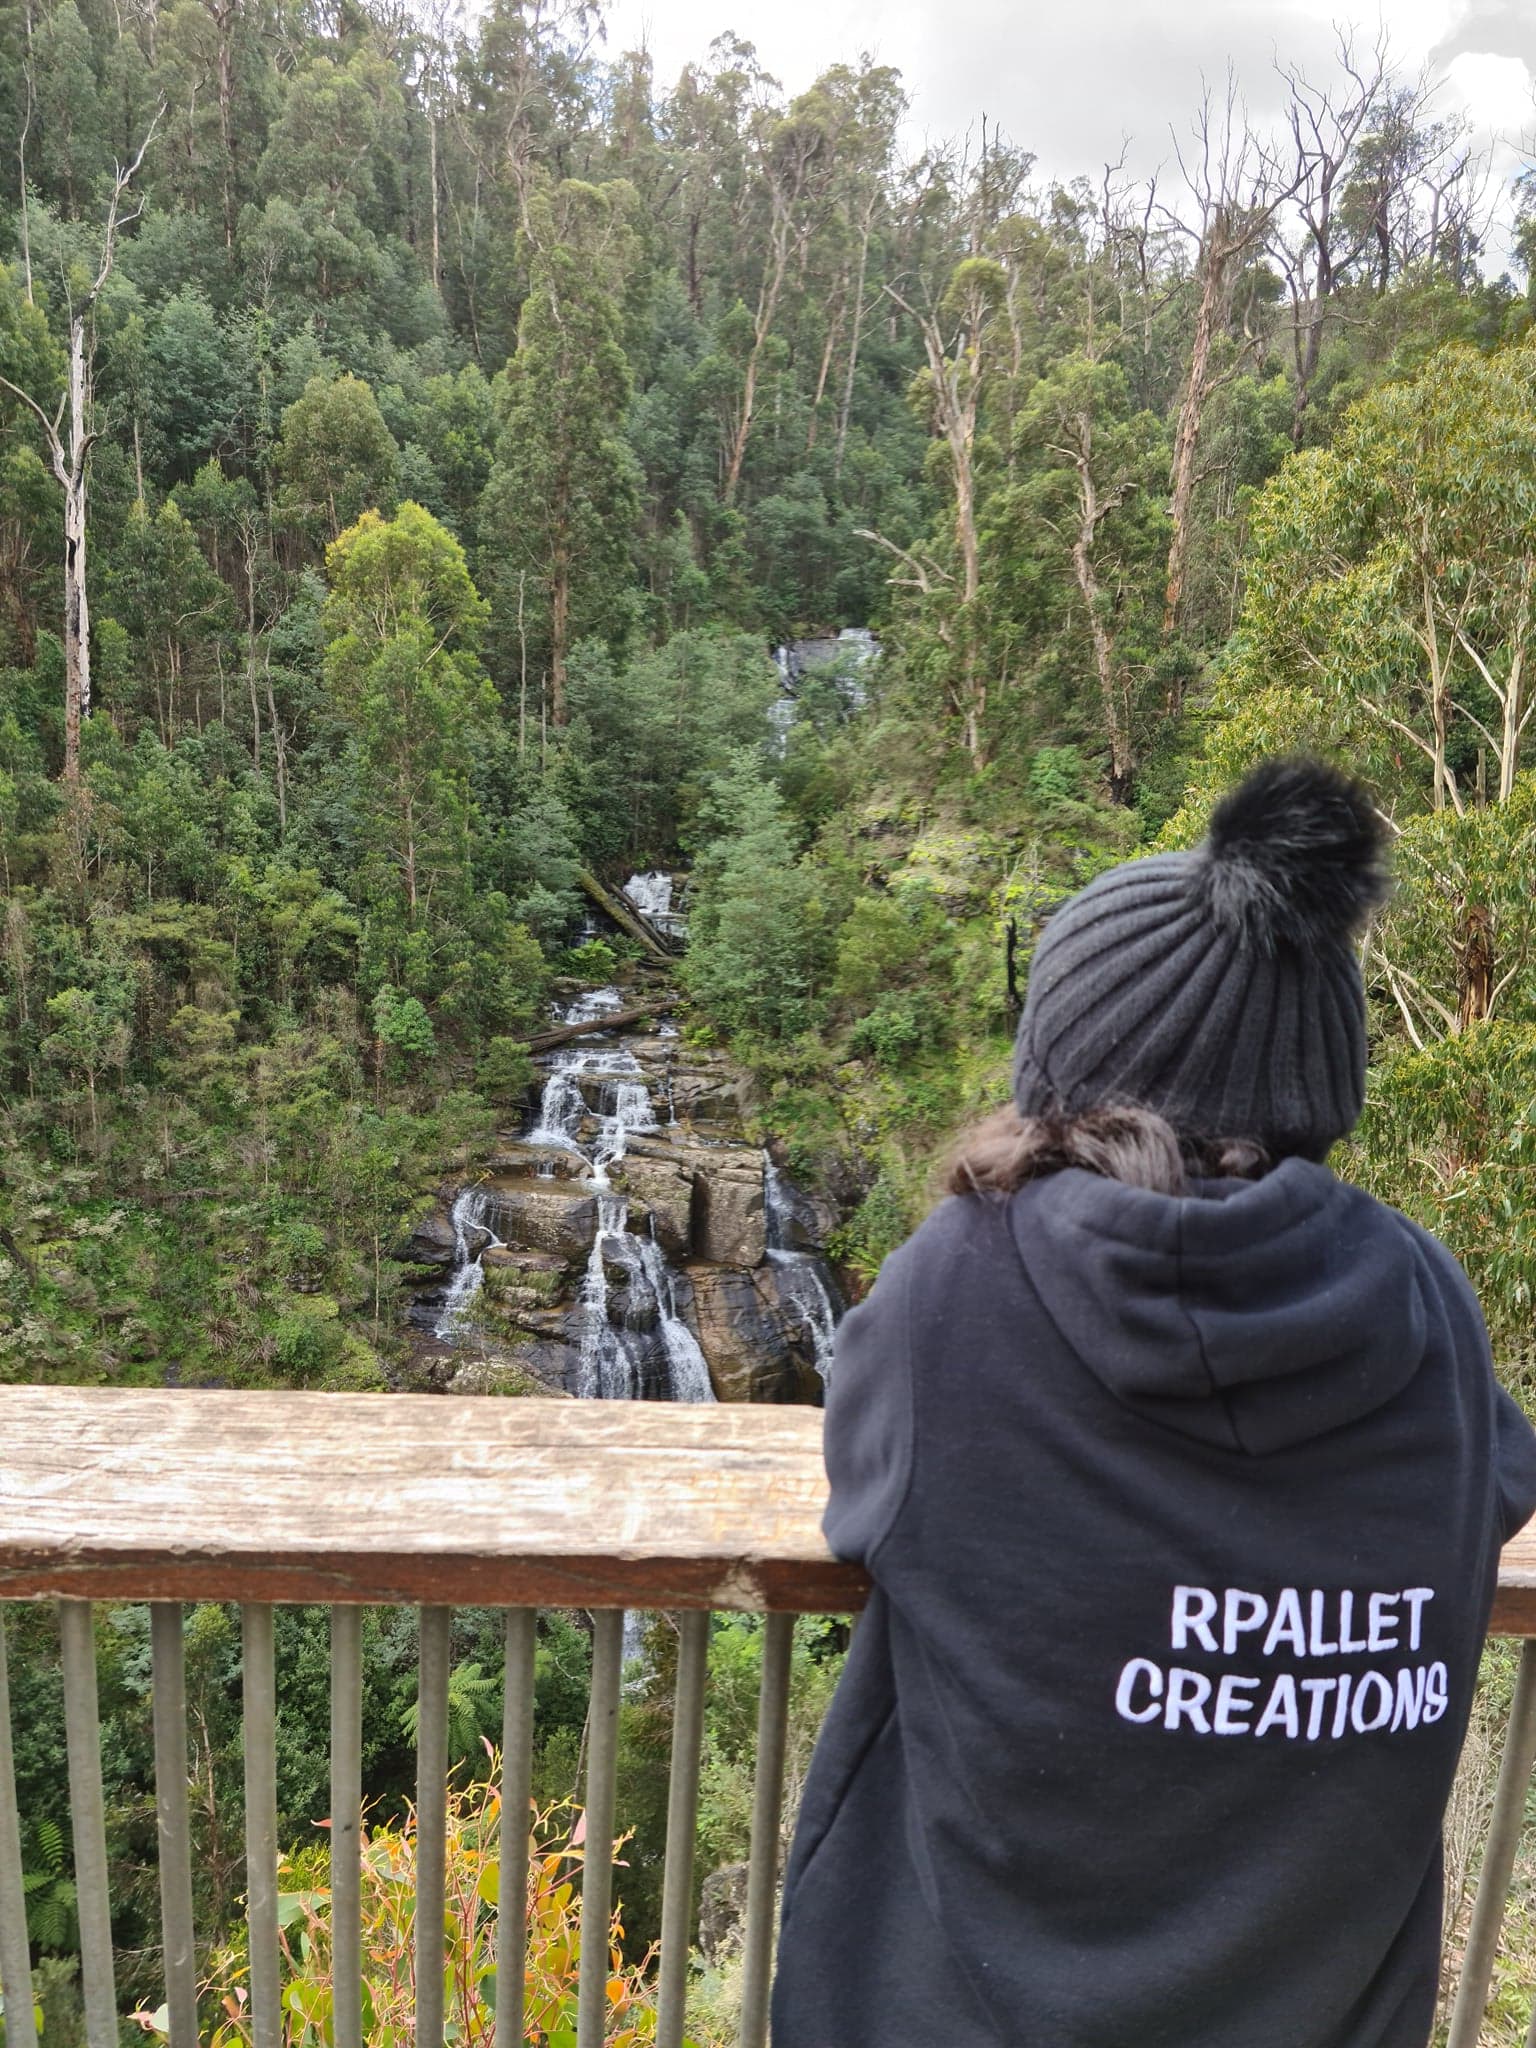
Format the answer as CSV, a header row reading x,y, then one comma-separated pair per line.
x,y
389,1908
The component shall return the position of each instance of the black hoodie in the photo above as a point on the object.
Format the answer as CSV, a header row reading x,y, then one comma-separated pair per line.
x,y
1183,1517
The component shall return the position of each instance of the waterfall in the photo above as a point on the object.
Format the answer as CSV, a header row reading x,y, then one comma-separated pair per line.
x,y
470,1213
687,1367
802,1275
632,1110
606,1369
652,897
617,1355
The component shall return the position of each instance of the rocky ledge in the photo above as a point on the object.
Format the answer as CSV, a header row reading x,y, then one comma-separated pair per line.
x,y
740,1250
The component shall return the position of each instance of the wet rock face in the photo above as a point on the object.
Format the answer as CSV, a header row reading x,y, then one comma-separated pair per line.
x,y
516,1157
431,1243
544,1215
729,1219
665,1187
743,1337
629,1242
533,1370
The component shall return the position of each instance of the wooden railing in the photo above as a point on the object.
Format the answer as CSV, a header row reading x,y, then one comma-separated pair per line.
x,y
355,1500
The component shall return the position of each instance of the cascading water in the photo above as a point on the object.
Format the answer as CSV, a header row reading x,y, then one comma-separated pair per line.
x,y
472,1238
632,1341
652,897
688,1368
803,1276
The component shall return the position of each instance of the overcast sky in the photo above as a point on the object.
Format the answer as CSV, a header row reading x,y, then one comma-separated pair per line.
x,y
1071,78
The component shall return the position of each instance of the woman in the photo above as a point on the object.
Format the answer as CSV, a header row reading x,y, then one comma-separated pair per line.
x,y
1181,1472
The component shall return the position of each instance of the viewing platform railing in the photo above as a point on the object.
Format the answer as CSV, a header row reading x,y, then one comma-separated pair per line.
x,y
168,1497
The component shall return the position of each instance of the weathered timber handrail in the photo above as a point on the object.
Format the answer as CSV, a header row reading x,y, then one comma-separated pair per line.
x,y
159,1494
612,1020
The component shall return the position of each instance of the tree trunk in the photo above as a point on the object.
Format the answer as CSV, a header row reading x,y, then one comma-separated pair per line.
x,y
767,306
845,406
77,614
1187,439
1475,968
280,755
437,261
225,18
559,635
834,335
1092,509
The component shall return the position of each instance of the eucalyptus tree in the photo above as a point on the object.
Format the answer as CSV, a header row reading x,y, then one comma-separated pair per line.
x,y
561,503
69,434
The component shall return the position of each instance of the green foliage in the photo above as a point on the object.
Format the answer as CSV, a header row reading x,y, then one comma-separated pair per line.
x,y
593,960
52,1908
506,1071
757,951
336,457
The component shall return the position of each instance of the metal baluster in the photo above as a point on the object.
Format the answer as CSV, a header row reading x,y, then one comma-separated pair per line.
x,y
77,1638
431,1822
15,1962
767,1799
173,1824
1498,1859
516,1791
597,1871
346,1824
682,1826
259,1734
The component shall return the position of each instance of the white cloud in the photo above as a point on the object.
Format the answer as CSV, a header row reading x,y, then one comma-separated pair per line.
x,y
1496,91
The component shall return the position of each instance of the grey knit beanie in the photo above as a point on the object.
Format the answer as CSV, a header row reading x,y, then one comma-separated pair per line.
x,y
1220,987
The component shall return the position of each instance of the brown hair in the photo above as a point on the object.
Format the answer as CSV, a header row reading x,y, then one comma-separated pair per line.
x,y
1127,1144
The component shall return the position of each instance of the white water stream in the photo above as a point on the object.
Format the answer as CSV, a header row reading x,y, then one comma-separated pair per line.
x,y
617,1356
802,1274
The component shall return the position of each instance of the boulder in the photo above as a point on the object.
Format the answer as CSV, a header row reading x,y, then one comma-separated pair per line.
x,y
743,1338
532,1369
431,1243
723,1911
553,1216
544,1162
665,1186
708,1098
729,1225
533,1276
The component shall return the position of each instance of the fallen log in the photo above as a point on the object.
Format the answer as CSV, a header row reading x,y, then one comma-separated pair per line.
x,y
615,1020
627,918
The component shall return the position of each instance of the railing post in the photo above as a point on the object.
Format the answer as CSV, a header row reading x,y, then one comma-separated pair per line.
x,y
1498,1859
259,1735
597,1868
346,1825
767,1801
82,1734
431,1821
516,1792
15,1959
682,1826
172,1822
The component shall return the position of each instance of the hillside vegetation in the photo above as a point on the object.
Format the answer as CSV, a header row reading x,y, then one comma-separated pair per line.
x,y
416,435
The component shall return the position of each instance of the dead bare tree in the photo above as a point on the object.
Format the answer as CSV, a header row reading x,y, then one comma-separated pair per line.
x,y
1239,184
1316,243
69,439
29,108
1095,503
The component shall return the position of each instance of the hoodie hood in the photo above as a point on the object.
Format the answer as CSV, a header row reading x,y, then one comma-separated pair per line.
x,y
1253,1315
